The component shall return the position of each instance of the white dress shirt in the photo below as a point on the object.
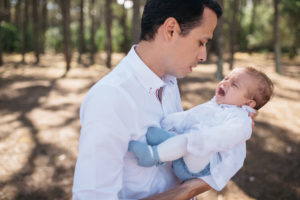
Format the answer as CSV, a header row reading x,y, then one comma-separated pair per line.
x,y
216,134
117,109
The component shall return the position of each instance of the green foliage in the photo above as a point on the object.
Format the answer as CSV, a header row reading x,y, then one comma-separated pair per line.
x,y
54,39
11,38
262,36
290,26
255,35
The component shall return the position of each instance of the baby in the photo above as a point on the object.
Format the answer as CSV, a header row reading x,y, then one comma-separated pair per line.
x,y
213,145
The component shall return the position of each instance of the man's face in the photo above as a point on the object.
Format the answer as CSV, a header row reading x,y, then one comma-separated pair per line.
x,y
186,51
234,89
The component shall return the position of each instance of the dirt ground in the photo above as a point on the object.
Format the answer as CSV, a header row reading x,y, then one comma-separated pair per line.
x,y
39,128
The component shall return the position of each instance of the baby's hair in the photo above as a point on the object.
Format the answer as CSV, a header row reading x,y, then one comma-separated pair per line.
x,y
264,89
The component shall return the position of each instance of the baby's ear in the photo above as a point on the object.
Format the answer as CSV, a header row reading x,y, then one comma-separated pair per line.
x,y
251,103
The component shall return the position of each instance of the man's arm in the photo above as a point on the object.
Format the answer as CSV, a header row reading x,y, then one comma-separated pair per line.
x,y
103,144
184,191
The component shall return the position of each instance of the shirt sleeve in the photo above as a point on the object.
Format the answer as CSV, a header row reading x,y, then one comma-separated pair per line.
x,y
107,119
204,139
224,165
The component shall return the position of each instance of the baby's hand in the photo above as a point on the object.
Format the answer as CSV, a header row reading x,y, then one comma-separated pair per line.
x,y
253,115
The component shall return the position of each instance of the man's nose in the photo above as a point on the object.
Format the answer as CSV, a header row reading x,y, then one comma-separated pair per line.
x,y
202,54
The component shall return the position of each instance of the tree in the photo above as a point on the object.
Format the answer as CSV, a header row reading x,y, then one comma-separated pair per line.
x,y
81,31
136,21
124,45
43,25
1,18
252,23
277,50
233,30
6,10
18,13
92,31
36,31
24,30
291,10
219,45
65,9
108,25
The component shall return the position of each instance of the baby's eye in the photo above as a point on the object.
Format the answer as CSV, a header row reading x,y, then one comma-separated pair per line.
x,y
234,84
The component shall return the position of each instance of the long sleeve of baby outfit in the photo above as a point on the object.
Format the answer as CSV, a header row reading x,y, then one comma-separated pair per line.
x,y
224,165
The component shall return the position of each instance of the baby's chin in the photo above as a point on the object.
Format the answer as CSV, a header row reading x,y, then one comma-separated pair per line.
x,y
218,100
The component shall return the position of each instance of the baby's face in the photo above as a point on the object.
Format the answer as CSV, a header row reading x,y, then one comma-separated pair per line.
x,y
234,89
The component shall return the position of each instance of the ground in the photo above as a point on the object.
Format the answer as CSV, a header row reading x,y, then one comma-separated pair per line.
x,y
39,127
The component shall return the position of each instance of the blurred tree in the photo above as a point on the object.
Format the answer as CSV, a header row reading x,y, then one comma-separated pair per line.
x,y
136,21
1,18
233,30
92,32
125,42
252,23
44,24
277,50
24,30
1,60
36,31
65,10
291,10
219,44
108,25
81,31
6,10
18,14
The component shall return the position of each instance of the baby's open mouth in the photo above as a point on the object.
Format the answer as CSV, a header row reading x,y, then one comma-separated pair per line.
x,y
221,92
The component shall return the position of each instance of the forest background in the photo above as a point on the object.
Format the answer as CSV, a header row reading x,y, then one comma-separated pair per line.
x,y
53,51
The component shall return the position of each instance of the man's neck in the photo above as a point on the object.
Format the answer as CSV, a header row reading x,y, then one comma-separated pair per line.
x,y
151,56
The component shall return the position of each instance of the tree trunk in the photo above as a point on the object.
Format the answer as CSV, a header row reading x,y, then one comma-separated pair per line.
x,y
24,29
17,14
92,37
252,23
6,10
65,9
108,23
219,45
1,60
136,22
44,25
233,31
81,33
124,45
1,18
36,34
276,37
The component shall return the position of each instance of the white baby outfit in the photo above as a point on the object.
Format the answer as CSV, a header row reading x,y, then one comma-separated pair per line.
x,y
217,135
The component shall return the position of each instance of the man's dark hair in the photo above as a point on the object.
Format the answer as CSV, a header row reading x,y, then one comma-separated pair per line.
x,y
188,14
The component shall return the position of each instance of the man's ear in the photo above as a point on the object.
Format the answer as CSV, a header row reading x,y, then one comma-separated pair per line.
x,y
170,27
251,103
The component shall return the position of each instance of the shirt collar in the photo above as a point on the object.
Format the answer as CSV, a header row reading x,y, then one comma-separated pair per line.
x,y
150,81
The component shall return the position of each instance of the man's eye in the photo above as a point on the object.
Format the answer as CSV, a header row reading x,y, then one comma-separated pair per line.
x,y
201,44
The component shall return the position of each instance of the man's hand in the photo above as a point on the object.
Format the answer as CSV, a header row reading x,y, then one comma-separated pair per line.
x,y
184,191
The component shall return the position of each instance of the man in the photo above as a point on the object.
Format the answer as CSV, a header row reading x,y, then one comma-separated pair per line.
x,y
137,94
